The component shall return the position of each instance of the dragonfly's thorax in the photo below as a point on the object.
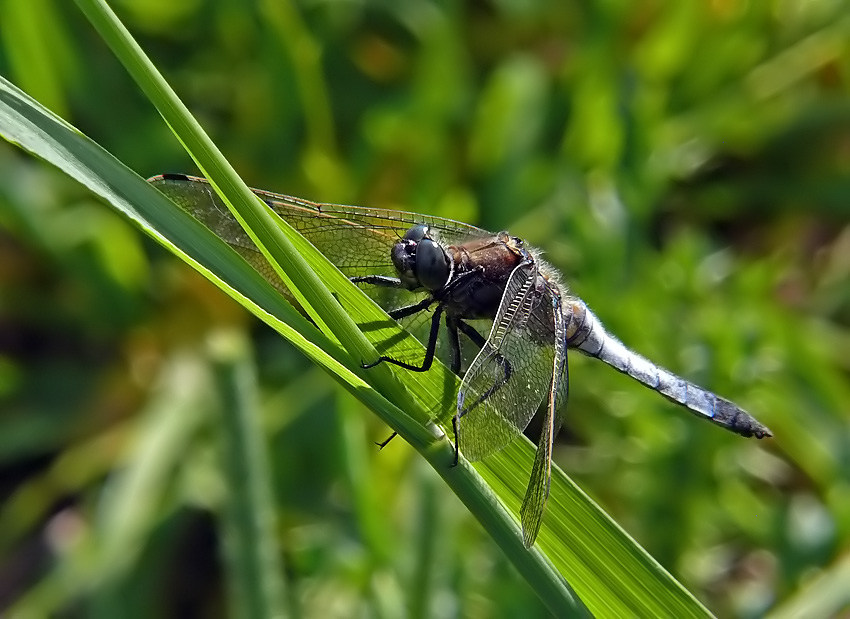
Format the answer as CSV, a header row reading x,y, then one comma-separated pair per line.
x,y
482,268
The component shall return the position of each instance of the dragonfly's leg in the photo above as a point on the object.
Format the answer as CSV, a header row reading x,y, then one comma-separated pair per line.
x,y
382,281
429,351
457,449
452,325
406,311
454,344
470,332
506,366
460,279
377,280
480,341
409,310
383,444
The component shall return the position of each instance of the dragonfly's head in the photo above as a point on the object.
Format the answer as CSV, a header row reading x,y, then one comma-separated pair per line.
x,y
421,262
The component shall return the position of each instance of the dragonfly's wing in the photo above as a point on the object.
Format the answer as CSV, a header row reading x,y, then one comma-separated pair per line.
x,y
357,240
534,501
513,371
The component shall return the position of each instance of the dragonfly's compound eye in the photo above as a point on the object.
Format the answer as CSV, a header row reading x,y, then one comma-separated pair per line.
x,y
432,265
404,258
416,233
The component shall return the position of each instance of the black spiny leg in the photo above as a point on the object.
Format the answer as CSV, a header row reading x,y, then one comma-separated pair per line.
x,y
429,351
453,324
479,341
383,444
470,332
377,280
396,314
454,344
408,310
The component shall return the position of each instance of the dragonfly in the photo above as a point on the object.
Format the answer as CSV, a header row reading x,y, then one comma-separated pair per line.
x,y
497,309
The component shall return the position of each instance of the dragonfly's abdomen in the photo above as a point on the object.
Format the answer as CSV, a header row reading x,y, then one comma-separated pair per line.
x,y
586,332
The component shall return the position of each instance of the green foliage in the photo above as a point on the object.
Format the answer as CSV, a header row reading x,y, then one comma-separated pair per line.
x,y
683,164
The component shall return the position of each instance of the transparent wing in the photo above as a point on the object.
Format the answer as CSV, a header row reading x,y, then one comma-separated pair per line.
x,y
357,240
534,501
513,372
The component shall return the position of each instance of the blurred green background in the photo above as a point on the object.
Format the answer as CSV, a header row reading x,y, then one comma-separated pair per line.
x,y
685,165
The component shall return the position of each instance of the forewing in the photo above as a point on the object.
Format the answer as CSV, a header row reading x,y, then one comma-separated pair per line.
x,y
371,232
493,411
357,240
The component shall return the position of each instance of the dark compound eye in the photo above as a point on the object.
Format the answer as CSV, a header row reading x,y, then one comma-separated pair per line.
x,y
416,233
432,266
